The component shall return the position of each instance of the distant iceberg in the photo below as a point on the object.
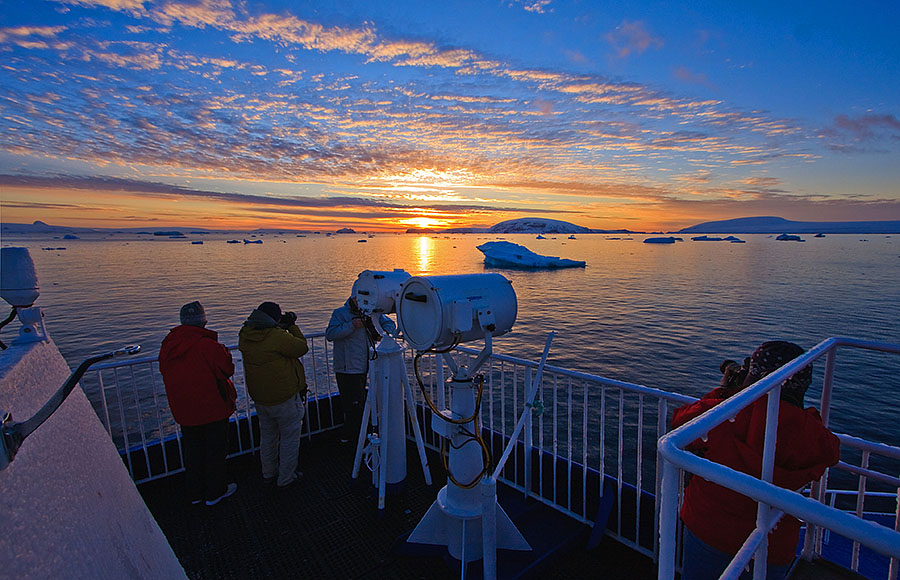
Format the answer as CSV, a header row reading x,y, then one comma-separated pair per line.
x,y
663,240
246,241
540,237
732,239
510,255
789,238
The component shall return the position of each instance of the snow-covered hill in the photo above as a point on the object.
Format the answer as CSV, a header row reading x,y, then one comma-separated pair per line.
x,y
537,226
777,225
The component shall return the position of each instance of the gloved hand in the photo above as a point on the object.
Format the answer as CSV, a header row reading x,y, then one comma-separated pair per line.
x,y
287,320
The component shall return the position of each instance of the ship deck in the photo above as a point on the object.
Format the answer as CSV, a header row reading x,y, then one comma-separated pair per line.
x,y
328,526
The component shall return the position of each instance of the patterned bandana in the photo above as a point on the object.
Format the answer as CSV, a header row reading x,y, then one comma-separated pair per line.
x,y
774,354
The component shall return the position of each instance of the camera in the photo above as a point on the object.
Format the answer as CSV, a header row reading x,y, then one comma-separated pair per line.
x,y
287,320
358,314
734,373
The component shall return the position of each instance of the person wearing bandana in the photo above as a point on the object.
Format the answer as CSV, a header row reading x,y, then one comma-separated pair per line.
x,y
718,520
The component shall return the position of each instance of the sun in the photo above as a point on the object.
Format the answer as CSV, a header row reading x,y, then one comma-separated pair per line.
x,y
423,222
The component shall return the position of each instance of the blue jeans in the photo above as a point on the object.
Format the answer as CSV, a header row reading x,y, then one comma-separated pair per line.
x,y
703,562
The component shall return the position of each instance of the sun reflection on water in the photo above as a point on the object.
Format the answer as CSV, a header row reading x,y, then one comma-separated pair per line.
x,y
425,254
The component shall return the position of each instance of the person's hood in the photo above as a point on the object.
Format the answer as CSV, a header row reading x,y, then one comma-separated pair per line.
x,y
182,339
257,326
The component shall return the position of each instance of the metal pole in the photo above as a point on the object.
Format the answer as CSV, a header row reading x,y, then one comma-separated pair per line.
x,y
768,469
668,521
489,526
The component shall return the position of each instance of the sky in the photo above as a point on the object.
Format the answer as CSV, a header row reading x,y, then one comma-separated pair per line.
x,y
387,115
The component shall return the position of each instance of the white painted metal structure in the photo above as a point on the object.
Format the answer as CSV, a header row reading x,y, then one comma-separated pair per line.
x,y
389,392
437,312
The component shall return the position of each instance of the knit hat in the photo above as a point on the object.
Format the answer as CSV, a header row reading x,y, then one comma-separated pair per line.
x,y
193,314
775,354
271,310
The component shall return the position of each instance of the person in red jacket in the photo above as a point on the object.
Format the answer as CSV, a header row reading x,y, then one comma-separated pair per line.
x,y
718,520
196,371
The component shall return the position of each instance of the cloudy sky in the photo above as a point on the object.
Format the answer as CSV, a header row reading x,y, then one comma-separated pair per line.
x,y
385,115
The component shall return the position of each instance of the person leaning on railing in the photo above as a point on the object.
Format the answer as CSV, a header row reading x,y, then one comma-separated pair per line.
x,y
718,520
197,372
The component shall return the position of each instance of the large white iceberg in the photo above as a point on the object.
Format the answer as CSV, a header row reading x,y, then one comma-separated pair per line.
x,y
510,255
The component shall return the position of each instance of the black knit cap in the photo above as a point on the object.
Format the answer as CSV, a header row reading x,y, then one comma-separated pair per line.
x,y
775,354
270,309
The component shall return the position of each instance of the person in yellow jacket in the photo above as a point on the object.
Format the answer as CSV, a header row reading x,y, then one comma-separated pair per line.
x,y
271,345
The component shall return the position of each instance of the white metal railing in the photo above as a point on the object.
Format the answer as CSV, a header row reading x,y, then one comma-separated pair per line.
x,y
130,400
585,440
814,510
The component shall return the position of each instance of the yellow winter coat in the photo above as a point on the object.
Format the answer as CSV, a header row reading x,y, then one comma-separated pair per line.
x,y
271,356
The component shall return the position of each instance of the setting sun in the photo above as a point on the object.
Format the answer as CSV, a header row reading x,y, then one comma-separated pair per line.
x,y
423,222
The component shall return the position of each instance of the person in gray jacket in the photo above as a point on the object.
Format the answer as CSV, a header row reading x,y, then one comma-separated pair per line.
x,y
353,336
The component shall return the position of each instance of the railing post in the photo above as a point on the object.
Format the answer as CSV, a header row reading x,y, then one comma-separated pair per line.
x,y
812,541
768,469
527,427
489,526
668,521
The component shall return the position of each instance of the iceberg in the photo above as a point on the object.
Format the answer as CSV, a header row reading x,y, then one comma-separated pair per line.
x,y
789,238
510,255
663,240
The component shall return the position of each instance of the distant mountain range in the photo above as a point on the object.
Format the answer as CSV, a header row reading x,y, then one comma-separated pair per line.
x,y
530,225
40,227
777,225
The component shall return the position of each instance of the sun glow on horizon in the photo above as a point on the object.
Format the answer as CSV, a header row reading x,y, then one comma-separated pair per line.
x,y
424,222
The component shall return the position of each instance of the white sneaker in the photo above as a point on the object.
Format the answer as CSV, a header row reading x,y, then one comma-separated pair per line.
x,y
232,487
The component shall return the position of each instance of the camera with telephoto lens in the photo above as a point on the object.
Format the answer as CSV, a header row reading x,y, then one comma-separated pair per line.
x,y
734,373
287,320
358,314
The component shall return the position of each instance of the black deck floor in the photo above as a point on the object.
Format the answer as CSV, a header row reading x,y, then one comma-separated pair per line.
x,y
328,526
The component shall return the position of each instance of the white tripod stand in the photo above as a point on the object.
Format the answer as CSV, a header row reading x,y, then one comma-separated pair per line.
x,y
386,447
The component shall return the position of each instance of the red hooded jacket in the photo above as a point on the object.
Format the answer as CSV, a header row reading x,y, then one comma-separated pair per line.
x,y
192,361
723,518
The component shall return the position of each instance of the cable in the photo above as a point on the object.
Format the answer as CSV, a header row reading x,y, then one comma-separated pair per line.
x,y
470,436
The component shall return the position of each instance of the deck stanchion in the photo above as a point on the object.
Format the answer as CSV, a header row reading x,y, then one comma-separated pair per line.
x,y
668,521
489,526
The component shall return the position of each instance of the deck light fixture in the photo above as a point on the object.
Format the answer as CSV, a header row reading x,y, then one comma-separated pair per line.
x,y
19,287
437,313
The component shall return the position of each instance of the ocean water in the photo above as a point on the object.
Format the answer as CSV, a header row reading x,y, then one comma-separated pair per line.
x,y
660,315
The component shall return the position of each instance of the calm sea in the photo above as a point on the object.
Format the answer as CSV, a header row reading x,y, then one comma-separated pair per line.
x,y
659,315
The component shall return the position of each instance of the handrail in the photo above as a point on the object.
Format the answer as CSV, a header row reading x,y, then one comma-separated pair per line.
x,y
150,358
581,375
672,448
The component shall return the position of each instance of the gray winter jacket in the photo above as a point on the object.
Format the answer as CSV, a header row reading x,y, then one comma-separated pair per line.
x,y
351,352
